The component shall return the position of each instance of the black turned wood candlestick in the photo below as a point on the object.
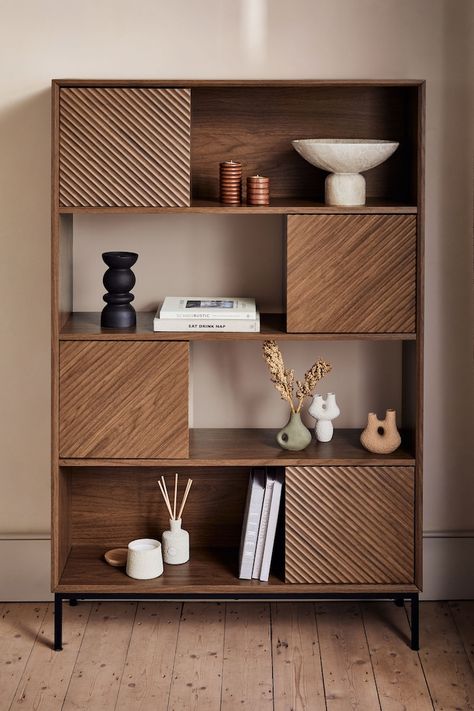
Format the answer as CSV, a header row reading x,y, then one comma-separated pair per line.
x,y
119,280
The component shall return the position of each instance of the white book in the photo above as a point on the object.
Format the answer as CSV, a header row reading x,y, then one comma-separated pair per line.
x,y
262,530
271,527
216,325
253,511
208,307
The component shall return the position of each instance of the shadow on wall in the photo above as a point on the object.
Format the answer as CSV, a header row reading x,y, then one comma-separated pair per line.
x,y
25,269
454,397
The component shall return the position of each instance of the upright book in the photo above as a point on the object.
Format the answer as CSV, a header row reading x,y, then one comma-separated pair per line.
x,y
262,529
271,526
204,307
253,511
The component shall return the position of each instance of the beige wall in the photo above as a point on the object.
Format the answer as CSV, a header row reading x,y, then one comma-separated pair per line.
x,y
232,39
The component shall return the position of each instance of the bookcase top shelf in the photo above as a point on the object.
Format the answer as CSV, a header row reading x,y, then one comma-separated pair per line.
x,y
281,206
258,83
85,326
258,447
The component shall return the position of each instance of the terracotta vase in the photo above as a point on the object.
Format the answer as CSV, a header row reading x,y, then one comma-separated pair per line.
x,y
381,436
295,435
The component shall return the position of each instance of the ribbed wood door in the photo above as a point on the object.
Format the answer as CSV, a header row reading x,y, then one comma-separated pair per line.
x,y
349,525
351,273
123,400
124,147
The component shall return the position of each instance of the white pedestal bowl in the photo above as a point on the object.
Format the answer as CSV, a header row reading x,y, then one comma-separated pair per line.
x,y
345,159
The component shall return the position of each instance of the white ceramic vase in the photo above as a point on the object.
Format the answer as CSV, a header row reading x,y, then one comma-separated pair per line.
x,y
175,543
324,410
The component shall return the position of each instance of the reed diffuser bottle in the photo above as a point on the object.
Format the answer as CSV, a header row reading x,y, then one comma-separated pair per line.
x,y
175,542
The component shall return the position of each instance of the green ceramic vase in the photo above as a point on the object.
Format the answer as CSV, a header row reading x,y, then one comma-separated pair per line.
x,y
295,435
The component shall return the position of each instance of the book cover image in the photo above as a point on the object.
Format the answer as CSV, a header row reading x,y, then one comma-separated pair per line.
x,y
209,304
189,307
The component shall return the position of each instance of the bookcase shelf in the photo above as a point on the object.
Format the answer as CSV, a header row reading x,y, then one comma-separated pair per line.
x,y
258,447
282,206
209,570
349,274
85,326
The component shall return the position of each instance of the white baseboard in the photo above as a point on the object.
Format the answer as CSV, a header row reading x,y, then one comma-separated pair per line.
x,y
448,567
25,563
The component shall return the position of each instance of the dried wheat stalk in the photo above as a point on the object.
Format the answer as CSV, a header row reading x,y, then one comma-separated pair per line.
x,y
284,379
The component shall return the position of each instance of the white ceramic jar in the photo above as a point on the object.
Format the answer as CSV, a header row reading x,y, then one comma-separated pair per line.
x,y
144,559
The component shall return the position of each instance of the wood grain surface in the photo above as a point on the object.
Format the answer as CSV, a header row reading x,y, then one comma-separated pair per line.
x,y
349,525
349,679
85,326
147,674
441,649
255,126
247,679
197,672
124,147
123,399
277,206
100,662
255,447
19,629
351,274
124,504
339,651
400,680
45,680
298,678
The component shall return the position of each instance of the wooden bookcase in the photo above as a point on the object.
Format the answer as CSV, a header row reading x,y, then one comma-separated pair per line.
x,y
352,523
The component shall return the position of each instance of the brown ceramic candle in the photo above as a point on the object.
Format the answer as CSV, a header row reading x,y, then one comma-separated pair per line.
x,y
258,190
230,182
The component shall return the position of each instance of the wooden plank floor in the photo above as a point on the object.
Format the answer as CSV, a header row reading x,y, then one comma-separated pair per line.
x,y
258,656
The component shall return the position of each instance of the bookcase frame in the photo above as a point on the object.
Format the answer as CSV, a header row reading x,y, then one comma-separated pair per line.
x,y
253,121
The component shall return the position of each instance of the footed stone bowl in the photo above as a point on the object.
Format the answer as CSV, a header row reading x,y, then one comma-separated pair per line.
x,y
344,159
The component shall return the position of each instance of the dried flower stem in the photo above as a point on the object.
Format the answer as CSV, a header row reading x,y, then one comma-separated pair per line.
x,y
284,379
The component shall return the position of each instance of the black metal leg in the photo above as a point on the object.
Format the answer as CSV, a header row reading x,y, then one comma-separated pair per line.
x,y
58,622
399,601
415,622
72,602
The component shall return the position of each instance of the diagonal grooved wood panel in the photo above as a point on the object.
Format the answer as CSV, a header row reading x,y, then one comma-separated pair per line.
x,y
124,399
351,273
349,525
124,147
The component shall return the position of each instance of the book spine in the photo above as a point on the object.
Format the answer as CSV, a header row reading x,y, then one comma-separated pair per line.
x,y
251,523
216,325
271,529
262,531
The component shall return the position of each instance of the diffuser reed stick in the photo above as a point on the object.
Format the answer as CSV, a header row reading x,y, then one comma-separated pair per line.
x,y
166,499
188,487
175,494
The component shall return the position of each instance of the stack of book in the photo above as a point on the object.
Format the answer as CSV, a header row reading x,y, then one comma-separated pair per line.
x,y
199,313
260,523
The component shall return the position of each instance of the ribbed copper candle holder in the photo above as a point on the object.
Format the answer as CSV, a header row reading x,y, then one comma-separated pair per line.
x,y
258,190
230,182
